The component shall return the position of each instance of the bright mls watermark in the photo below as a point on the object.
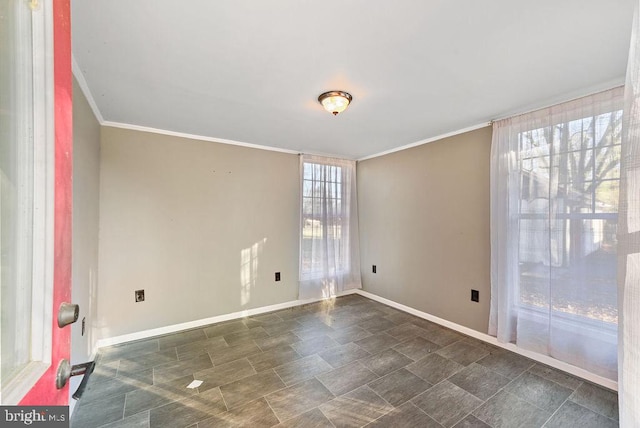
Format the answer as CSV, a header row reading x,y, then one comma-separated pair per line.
x,y
34,416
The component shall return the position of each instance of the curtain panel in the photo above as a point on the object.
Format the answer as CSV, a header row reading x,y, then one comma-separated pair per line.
x,y
329,240
629,241
555,177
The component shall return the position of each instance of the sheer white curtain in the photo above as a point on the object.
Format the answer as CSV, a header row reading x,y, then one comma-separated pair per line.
x,y
329,244
555,177
629,241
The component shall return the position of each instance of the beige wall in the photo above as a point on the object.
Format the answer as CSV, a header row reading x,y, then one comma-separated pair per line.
x,y
424,221
86,187
201,227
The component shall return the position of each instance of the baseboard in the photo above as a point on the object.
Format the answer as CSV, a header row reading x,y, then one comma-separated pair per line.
x,y
146,334
544,359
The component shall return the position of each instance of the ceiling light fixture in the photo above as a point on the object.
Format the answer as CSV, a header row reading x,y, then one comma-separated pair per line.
x,y
335,101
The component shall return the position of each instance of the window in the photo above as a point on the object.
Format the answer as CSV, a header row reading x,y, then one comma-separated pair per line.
x,y
570,178
26,194
329,260
322,194
555,176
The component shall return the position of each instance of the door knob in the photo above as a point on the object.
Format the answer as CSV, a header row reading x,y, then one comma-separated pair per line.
x,y
63,373
68,314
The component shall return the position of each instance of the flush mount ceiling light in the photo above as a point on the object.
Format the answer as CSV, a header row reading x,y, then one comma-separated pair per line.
x,y
335,101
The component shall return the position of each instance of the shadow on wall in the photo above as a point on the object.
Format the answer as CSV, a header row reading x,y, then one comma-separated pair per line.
x,y
249,260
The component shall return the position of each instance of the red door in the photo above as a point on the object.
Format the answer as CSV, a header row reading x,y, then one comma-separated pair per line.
x,y
44,392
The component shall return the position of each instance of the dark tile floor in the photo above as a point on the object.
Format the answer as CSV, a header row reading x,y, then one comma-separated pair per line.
x,y
347,362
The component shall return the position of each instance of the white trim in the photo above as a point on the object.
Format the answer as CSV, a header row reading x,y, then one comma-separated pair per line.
x,y
145,334
544,359
82,82
196,137
567,98
19,386
428,140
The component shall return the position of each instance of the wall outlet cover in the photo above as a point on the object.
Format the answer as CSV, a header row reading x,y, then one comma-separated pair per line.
x,y
475,296
139,295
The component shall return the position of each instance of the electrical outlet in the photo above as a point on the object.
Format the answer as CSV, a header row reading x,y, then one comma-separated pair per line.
x,y
374,269
475,296
277,276
84,319
139,295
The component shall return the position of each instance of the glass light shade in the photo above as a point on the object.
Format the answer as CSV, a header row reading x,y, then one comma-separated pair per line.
x,y
335,101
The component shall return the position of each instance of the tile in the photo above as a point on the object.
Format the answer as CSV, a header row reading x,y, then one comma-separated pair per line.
x,y
245,335
447,403
539,391
556,376
406,415
398,317
407,331
471,422
386,362
225,328
269,318
342,355
281,327
310,330
462,353
399,387
425,324
170,371
98,413
433,368
198,347
376,325
254,414
116,352
103,389
188,411
298,398
479,380
178,386
106,369
311,419
416,348
223,374
506,363
302,369
443,336
267,343
574,415
141,420
292,313
598,399
133,364
349,334
505,410
145,399
273,358
347,378
182,338
377,342
143,375
314,345
250,388
491,349
355,409
232,353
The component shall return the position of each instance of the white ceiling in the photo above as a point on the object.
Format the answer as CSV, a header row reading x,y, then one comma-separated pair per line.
x,y
250,71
